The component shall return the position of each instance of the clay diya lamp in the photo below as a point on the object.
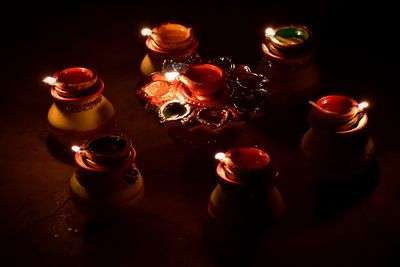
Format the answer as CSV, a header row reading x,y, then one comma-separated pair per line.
x,y
74,82
106,149
80,109
337,144
246,194
203,80
337,112
289,64
245,165
169,41
107,181
172,36
287,38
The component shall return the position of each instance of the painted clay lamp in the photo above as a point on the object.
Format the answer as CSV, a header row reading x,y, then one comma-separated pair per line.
x,y
203,80
79,109
168,41
337,144
106,181
246,194
289,65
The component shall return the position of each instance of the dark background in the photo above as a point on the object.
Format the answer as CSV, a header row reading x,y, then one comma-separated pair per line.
x,y
357,51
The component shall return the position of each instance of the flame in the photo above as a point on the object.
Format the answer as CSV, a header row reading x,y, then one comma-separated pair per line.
x,y
76,148
50,80
146,32
220,156
269,32
170,76
363,105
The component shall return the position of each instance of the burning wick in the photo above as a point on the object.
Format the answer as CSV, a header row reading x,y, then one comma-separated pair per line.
x,y
76,148
223,158
171,76
146,32
269,32
50,80
220,156
363,105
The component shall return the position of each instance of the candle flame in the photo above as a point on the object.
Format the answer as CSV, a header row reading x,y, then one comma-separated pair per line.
x,y
146,32
50,80
363,105
269,32
171,75
220,156
76,148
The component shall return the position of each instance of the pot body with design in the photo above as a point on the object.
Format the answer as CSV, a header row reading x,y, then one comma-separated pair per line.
x,y
79,110
106,182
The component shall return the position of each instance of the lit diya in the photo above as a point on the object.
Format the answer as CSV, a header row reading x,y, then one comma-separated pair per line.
x,y
289,37
107,181
80,110
244,165
73,82
337,144
339,113
203,80
246,194
172,36
105,151
168,41
288,62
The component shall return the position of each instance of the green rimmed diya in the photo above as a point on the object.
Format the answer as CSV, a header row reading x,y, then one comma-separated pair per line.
x,y
290,37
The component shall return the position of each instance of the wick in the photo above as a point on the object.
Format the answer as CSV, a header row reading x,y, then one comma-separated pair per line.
x,y
147,32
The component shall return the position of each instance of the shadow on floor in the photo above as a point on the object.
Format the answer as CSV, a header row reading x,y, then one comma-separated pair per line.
x,y
285,126
232,247
60,151
335,197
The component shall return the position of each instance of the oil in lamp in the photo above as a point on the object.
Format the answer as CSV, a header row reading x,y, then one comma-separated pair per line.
x,y
79,109
107,181
246,194
289,65
337,144
168,41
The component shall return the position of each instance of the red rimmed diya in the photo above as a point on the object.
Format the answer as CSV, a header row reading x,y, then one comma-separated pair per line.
x,y
246,194
338,113
202,85
74,82
80,110
106,182
337,145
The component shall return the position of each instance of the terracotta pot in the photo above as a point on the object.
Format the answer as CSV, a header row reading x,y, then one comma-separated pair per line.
x,y
246,195
172,36
337,144
203,79
106,182
80,110
169,41
289,65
